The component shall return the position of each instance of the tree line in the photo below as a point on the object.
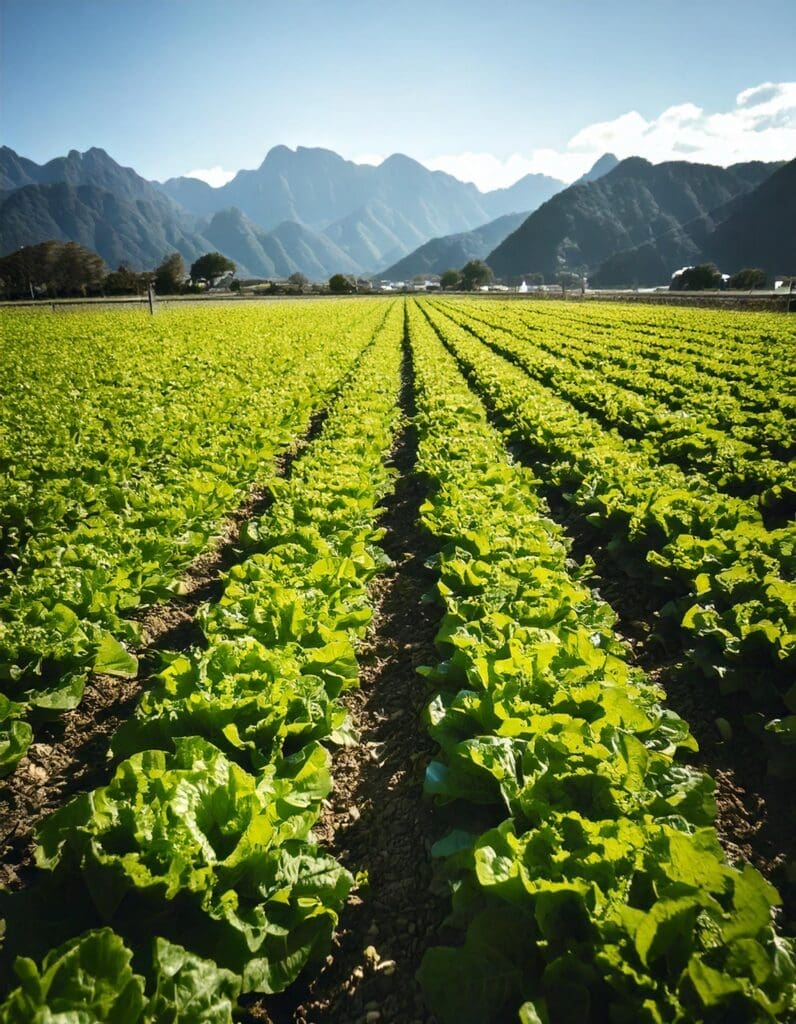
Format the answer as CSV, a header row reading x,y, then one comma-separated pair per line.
x,y
57,269
707,277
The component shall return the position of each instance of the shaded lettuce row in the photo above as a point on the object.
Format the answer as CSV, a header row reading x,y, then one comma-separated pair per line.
x,y
600,891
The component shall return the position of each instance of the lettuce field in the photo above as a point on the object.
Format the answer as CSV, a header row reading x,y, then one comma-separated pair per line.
x,y
421,660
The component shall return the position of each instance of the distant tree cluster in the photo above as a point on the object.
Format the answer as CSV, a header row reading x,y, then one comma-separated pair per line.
x,y
124,281
341,284
170,275
707,276
210,268
65,269
748,279
53,269
473,275
702,277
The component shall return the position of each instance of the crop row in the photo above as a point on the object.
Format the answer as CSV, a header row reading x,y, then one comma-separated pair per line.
x,y
600,892
727,463
735,346
760,415
118,468
730,576
203,836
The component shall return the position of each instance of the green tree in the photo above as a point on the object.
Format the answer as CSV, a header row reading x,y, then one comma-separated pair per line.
x,y
122,281
475,274
450,279
78,271
702,277
211,267
170,275
339,284
748,278
53,269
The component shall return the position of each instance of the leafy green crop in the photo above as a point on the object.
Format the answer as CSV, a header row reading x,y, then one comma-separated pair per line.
x,y
728,575
204,833
225,848
603,893
90,980
129,442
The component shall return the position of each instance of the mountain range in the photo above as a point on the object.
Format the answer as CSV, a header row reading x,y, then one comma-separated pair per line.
x,y
308,210
305,210
453,251
639,222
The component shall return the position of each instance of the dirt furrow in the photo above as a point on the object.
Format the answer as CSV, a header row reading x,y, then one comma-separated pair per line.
x,y
376,820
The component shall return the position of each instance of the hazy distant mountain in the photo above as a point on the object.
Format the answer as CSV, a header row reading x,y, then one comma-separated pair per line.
x,y
633,204
453,251
317,187
757,228
314,255
138,233
309,210
194,195
290,248
16,171
375,214
375,233
94,167
345,217
90,199
526,194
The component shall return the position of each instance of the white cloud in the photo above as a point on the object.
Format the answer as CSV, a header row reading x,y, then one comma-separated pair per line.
x,y
489,172
760,126
374,159
215,176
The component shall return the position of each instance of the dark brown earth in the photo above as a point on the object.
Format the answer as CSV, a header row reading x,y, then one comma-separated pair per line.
x,y
70,754
377,820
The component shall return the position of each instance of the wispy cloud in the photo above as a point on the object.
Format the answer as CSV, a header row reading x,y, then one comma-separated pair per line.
x,y
760,126
215,176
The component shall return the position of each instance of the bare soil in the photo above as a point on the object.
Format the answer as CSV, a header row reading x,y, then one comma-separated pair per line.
x,y
377,820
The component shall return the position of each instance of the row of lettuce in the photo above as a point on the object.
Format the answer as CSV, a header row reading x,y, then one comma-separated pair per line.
x,y
586,877
737,354
127,442
193,876
702,439
725,577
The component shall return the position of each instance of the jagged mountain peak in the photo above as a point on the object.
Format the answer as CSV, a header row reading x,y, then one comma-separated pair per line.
x,y
602,166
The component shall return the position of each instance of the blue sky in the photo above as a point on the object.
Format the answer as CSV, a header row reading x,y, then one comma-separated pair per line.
x,y
485,90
